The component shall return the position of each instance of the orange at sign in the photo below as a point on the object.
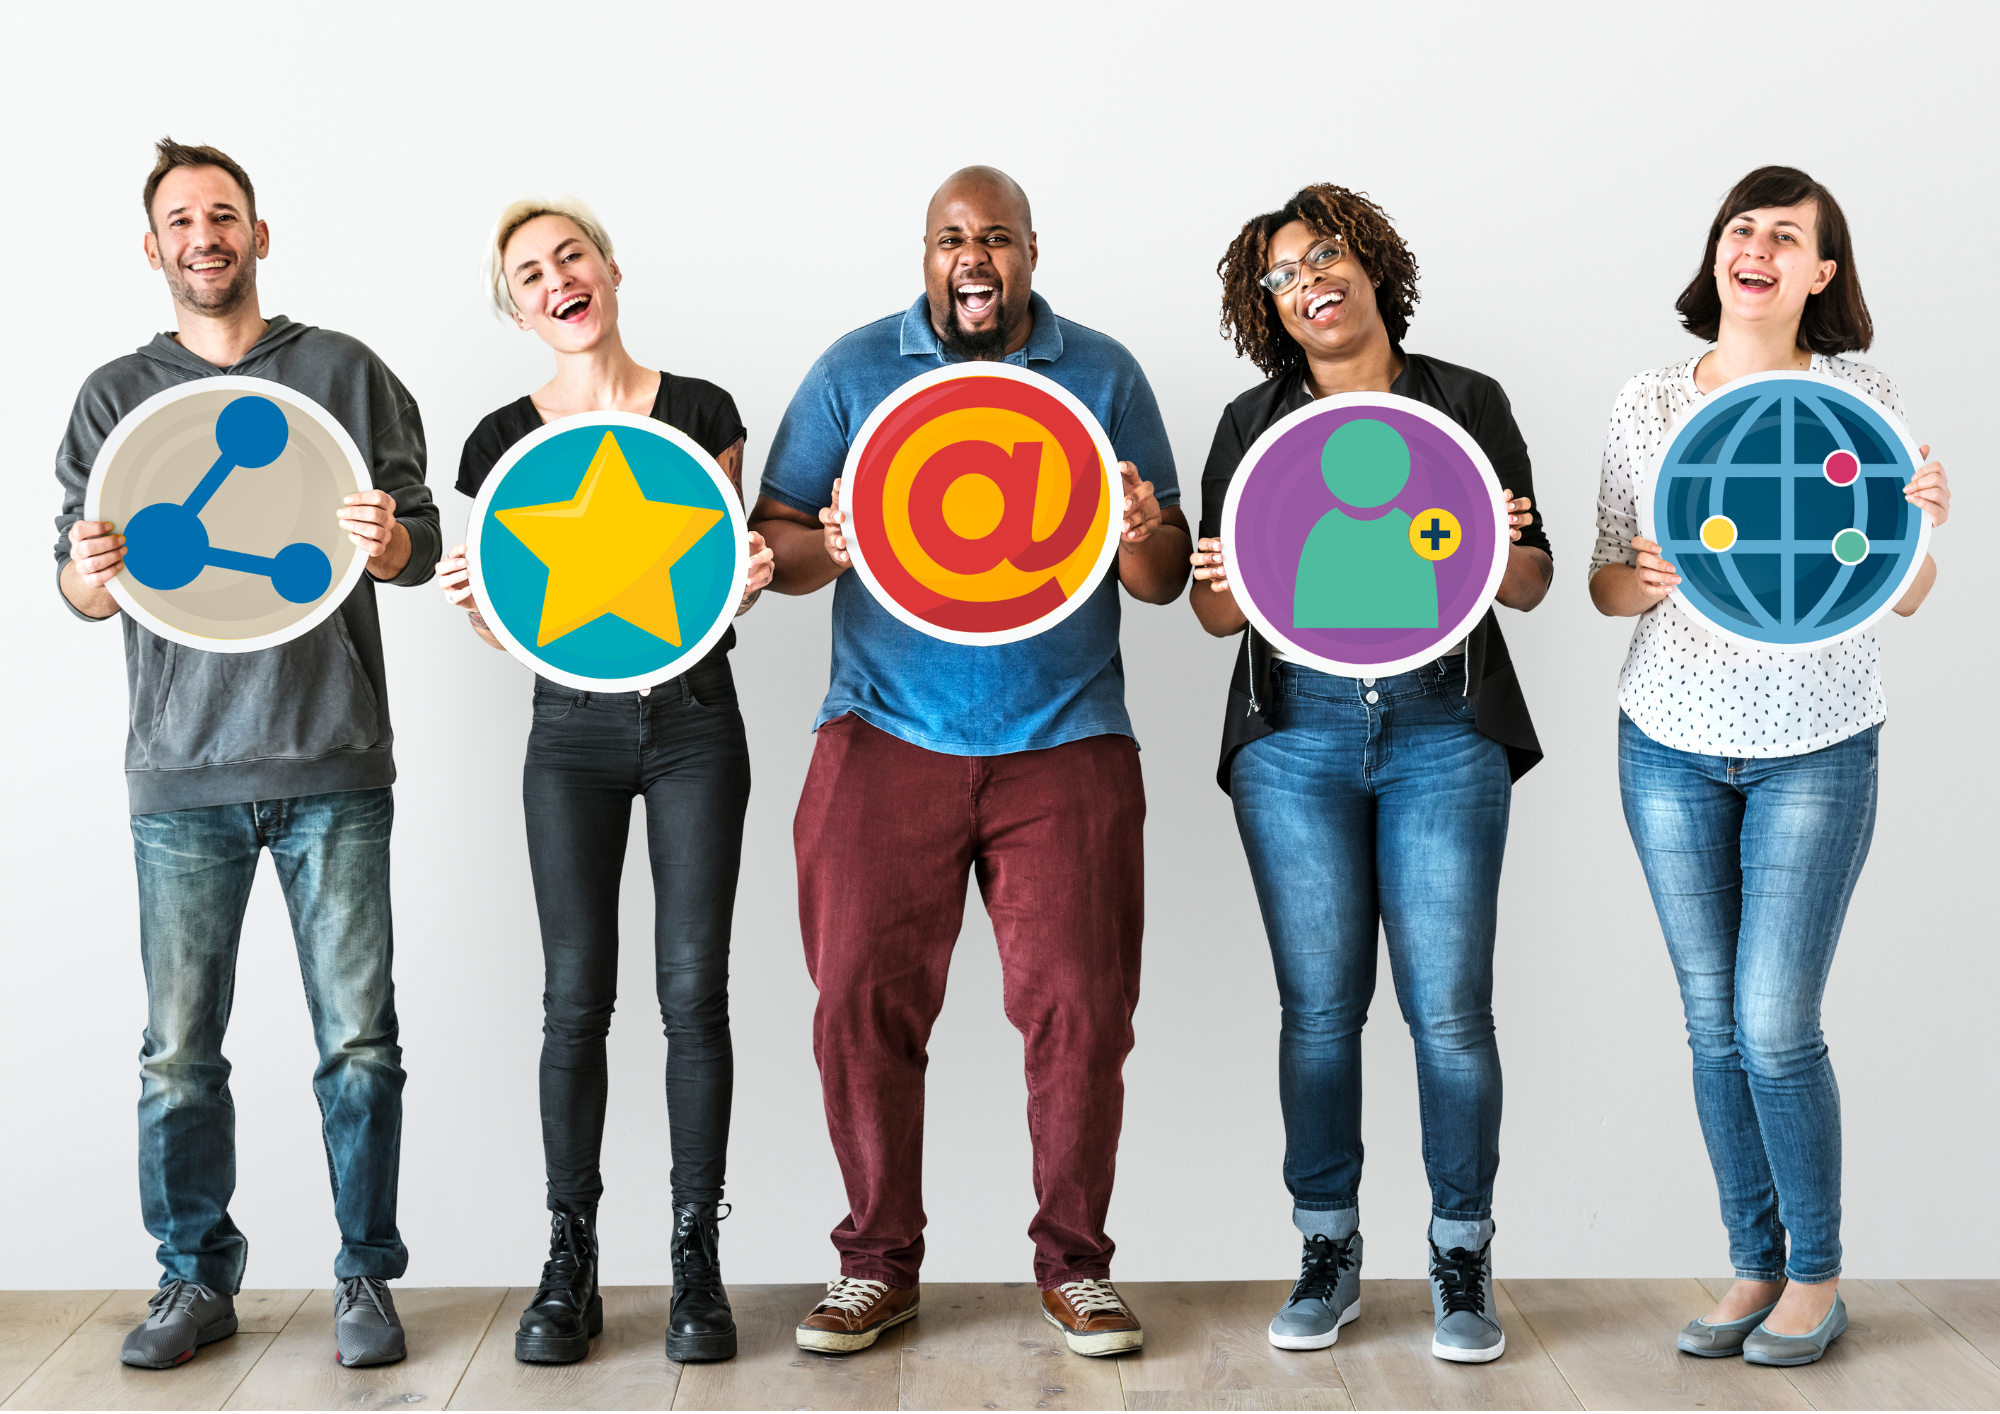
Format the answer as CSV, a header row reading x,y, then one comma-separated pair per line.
x,y
981,506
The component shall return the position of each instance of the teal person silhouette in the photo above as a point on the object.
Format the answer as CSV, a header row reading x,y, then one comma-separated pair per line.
x,y
1363,573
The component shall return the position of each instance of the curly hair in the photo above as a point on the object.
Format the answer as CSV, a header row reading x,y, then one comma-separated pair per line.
x,y
1250,312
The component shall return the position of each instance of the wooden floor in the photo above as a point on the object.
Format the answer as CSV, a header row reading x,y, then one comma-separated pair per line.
x,y
1570,1344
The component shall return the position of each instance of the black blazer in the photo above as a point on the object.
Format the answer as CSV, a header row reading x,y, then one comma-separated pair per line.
x,y
1476,403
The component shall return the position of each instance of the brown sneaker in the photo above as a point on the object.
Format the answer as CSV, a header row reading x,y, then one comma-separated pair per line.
x,y
854,1313
1093,1318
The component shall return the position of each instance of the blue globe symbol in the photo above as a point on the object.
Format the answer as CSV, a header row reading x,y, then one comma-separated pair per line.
x,y
1808,558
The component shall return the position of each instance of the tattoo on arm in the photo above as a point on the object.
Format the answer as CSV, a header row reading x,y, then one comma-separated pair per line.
x,y
474,618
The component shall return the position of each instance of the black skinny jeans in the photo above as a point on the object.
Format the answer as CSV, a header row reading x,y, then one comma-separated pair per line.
x,y
682,747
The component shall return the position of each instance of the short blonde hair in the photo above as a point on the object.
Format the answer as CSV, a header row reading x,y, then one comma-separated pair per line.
x,y
519,214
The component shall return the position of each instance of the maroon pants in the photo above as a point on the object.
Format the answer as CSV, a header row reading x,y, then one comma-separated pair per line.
x,y
885,833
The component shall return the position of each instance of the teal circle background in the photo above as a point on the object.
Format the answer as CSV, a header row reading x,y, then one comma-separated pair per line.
x,y
607,647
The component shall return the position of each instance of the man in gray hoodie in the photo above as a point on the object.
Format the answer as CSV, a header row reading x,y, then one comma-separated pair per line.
x,y
285,749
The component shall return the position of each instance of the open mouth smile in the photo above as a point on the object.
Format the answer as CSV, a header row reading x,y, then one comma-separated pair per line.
x,y
202,267
975,300
1755,280
573,308
1327,303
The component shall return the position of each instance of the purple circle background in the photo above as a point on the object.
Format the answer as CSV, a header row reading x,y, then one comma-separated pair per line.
x,y
1284,497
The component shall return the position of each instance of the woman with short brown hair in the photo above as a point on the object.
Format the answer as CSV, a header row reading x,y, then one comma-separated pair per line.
x,y
1368,803
1748,773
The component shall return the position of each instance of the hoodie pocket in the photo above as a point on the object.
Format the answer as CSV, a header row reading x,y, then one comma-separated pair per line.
x,y
299,701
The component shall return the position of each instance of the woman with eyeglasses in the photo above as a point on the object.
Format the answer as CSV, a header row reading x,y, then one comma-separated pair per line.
x,y
1371,802
1749,774
680,747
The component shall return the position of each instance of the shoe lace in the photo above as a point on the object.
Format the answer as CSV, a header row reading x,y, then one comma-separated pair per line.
x,y
697,1260
371,1291
177,1295
568,1237
1319,1271
1460,1277
853,1294
1087,1296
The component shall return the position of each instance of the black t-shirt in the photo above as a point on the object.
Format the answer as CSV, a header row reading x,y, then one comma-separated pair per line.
x,y
690,405
1476,403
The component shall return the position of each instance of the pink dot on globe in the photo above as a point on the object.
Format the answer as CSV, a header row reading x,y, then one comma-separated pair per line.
x,y
1842,467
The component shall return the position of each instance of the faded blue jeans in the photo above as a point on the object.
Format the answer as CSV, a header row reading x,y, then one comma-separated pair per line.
x,y
1751,863
1376,805
195,871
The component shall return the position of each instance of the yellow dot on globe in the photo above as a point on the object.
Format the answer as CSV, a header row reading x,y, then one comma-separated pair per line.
x,y
1718,532
973,505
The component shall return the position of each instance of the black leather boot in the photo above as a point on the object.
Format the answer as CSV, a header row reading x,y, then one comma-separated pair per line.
x,y
567,1311
700,1326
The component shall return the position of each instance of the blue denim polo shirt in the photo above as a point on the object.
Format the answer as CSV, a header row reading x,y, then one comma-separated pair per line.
x,y
1062,685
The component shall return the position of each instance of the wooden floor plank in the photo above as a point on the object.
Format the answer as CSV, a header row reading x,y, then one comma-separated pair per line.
x,y
1897,1354
1207,1339
1236,1399
988,1346
1972,1308
627,1367
34,1324
771,1372
444,1325
1614,1344
84,1372
1385,1359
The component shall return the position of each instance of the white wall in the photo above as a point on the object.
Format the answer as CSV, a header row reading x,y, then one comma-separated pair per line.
x,y
764,175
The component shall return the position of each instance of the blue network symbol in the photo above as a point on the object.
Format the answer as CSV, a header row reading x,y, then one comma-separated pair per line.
x,y
166,545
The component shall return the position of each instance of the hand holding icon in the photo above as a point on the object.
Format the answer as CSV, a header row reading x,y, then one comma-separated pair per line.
x,y
832,518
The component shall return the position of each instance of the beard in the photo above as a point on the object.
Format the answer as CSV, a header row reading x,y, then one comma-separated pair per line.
x,y
988,344
214,302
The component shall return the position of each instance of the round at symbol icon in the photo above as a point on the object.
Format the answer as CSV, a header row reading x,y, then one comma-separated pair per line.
x,y
166,544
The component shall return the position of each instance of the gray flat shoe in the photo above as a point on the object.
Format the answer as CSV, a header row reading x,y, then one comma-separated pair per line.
x,y
1698,1337
1765,1347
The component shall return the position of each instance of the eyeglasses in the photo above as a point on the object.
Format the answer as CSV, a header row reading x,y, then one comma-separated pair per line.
x,y
1279,278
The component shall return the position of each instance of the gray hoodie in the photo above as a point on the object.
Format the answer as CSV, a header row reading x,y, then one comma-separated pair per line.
x,y
304,718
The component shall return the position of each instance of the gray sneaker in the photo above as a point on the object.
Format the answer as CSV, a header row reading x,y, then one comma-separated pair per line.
x,y
365,1328
1468,1331
1326,1296
181,1316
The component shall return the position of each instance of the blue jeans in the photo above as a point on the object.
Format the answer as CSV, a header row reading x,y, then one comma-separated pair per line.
x,y
1751,863
1376,803
195,871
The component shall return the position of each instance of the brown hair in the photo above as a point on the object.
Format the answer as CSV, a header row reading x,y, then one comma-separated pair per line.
x,y
1250,312
168,155
1835,320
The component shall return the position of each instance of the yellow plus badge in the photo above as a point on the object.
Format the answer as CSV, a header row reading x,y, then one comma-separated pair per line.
x,y
1434,533
609,550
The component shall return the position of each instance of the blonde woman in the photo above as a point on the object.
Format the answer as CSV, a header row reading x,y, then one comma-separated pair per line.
x,y
681,747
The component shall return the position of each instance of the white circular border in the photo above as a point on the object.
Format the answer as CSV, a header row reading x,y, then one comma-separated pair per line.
x,y
1395,402
731,503
292,399
1650,486
1114,489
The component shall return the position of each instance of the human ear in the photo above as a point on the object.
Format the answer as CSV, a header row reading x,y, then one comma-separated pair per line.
x,y
1826,273
152,244
262,242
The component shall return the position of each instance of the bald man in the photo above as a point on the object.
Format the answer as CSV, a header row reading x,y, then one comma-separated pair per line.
x,y
1015,762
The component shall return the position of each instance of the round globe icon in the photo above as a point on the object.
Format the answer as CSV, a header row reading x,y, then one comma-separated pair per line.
x,y
1780,501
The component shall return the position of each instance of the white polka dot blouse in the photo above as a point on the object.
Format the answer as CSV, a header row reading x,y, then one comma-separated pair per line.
x,y
1697,691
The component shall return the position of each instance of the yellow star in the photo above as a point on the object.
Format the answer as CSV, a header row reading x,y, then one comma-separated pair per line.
x,y
609,550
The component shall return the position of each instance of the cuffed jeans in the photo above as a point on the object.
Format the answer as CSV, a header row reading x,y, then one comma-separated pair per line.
x,y
886,832
681,748
1376,804
195,870
1751,862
